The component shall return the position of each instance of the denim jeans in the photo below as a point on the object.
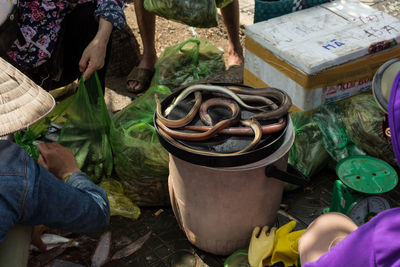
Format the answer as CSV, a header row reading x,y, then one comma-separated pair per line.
x,y
31,195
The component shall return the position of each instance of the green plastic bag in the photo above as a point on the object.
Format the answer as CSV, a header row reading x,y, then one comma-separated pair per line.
x,y
307,154
87,129
201,14
119,203
141,163
238,259
222,3
334,137
189,61
364,124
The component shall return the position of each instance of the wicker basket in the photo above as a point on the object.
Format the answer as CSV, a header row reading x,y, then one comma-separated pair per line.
x,y
264,9
125,53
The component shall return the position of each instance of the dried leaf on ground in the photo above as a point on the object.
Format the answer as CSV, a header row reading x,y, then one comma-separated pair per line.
x,y
102,251
132,248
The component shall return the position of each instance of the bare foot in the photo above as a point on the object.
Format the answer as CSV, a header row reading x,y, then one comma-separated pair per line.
x,y
147,62
235,57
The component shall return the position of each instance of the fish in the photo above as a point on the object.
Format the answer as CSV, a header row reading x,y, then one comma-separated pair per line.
x,y
131,248
102,251
51,241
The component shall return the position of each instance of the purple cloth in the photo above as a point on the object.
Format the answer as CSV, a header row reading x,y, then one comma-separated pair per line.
x,y
394,116
376,243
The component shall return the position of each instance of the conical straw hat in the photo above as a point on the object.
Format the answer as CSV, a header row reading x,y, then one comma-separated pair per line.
x,y
22,102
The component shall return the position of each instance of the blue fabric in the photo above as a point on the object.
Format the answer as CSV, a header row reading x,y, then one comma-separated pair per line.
x,y
30,195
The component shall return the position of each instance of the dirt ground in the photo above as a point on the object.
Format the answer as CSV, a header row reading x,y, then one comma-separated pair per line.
x,y
168,33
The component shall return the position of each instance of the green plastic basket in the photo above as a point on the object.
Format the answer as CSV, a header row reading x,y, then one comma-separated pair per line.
x,y
264,10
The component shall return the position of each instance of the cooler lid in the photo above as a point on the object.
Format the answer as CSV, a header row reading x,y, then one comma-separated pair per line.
x,y
367,174
325,36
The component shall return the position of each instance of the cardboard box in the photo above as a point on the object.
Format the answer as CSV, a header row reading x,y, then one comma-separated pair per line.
x,y
321,54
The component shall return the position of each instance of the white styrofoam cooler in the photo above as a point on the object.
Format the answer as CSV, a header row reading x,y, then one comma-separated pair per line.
x,y
321,54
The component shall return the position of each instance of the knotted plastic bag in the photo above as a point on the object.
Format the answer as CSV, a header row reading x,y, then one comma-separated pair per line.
x,y
201,14
307,154
189,61
335,140
140,161
86,131
119,203
364,123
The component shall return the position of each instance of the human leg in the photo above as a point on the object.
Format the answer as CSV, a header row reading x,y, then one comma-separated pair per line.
x,y
230,15
322,234
147,24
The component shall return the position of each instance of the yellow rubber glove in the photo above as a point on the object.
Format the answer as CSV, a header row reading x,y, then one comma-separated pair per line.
x,y
261,245
286,245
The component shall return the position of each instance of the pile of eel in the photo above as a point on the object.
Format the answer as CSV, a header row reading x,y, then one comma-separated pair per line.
x,y
275,101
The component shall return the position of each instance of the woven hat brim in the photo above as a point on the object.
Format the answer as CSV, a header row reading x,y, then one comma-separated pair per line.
x,y
22,102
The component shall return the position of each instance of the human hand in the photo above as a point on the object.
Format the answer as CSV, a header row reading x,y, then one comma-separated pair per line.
x,y
57,159
95,53
261,245
92,58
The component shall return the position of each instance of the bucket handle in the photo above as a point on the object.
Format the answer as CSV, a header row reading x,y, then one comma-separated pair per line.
x,y
292,175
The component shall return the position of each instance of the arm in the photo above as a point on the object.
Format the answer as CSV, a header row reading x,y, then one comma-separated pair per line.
x,y
29,194
94,54
110,14
77,205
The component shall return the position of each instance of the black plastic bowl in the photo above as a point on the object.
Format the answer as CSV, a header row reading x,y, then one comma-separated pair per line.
x,y
221,143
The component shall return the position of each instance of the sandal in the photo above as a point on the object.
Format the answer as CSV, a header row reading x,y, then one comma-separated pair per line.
x,y
140,75
232,67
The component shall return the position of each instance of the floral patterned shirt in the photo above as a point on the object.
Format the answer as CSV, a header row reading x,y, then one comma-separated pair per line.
x,y
41,22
